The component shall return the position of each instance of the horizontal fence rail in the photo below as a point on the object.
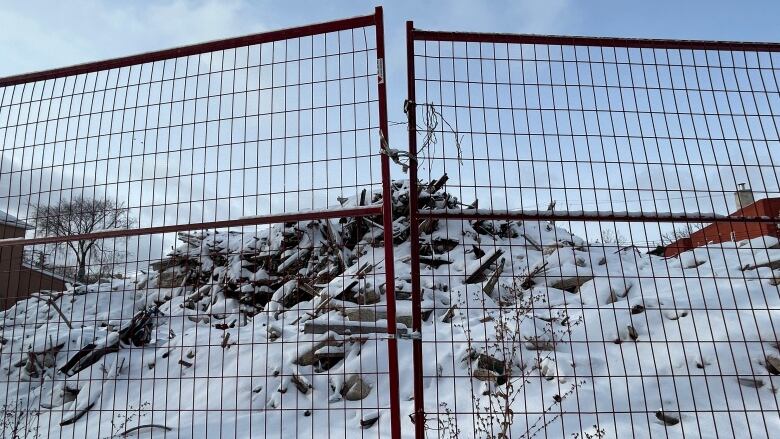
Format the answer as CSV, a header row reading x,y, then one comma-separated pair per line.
x,y
594,239
196,242
562,40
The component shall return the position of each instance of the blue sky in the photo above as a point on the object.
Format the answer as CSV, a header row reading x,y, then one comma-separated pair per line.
x,y
41,34
36,35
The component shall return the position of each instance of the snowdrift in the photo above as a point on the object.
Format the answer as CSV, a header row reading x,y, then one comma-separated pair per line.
x,y
279,333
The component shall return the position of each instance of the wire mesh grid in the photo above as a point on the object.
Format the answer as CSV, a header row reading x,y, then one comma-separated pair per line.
x,y
595,236
193,242
276,127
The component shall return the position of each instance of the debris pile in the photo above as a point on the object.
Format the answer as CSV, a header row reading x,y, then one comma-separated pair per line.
x,y
288,323
278,267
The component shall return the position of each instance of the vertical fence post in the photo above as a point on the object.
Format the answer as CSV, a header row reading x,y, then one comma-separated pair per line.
x,y
414,237
387,220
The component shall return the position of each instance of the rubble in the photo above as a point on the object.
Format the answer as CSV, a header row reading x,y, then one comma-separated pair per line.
x,y
296,316
355,388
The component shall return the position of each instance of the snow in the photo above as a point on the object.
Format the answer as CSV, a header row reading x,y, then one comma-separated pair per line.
x,y
634,340
569,213
10,220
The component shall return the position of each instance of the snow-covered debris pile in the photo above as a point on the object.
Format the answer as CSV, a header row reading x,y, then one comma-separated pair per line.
x,y
283,265
530,327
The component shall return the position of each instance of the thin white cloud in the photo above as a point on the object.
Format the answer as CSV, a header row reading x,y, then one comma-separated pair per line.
x,y
37,36
550,16
517,16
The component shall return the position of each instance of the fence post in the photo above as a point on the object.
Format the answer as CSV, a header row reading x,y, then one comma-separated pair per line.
x,y
387,220
414,238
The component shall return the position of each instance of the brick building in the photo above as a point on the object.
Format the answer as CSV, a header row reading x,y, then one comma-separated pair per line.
x,y
736,230
17,278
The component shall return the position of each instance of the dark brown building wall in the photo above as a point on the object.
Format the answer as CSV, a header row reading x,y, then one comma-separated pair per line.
x,y
10,263
7,231
17,281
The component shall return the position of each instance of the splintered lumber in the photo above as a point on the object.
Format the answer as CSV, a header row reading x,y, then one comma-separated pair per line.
x,y
493,280
447,318
90,354
32,365
773,364
434,262
528,279
769,259
88,395
369,419
373,313
150,426
336,247
667,418
571,283
437,246
193,239
347,287
87,356
428,226
50,301
345,327
484,227
751,381
435,185
330,352
486,261
316,311
533,243
310,356
538,343
354,388
71,419
363,271
301,383
294,261
306,288
365,313
197,295
136,331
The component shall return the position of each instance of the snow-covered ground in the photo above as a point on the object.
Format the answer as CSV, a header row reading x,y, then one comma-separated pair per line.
x,y
588,338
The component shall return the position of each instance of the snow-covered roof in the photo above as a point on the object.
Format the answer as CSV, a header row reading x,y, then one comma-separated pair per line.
x,y
49,273
10,220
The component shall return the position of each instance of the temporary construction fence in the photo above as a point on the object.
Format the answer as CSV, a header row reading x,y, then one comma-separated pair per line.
x,y
572,166
585,244
189,194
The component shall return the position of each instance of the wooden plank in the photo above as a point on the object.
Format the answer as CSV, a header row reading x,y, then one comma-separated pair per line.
x,y
343,328
476,275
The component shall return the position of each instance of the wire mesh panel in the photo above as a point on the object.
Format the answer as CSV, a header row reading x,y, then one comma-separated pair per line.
x,y
594,241
193,243
279,126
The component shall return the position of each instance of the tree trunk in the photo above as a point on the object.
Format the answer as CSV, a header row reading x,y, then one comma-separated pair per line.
x,y
82,268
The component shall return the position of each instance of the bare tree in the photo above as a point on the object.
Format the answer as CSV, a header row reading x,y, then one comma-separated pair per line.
x,y
611,236
81,215
680,232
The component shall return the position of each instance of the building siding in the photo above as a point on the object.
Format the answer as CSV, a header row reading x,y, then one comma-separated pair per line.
x,y
734,230
17,282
